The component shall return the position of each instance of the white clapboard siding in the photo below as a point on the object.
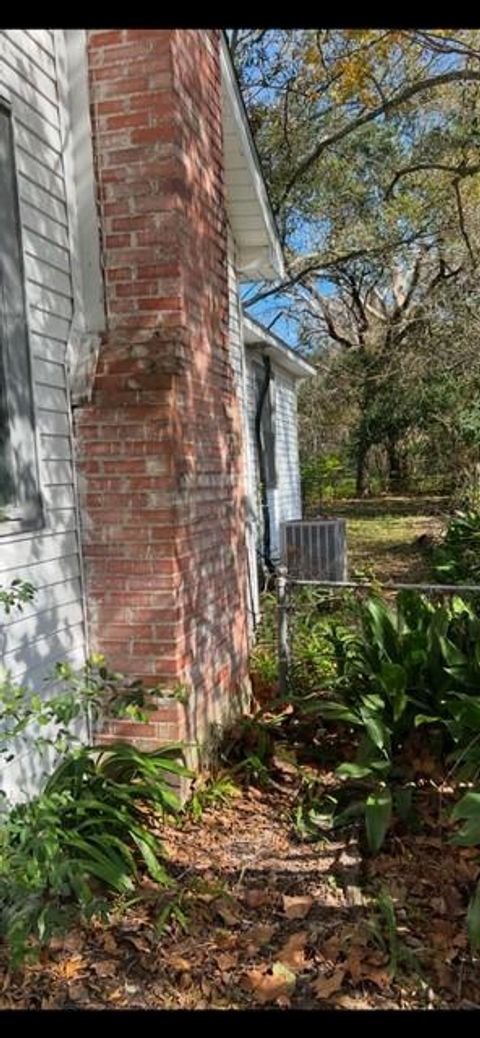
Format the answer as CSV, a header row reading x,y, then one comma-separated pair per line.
x,y
42,653
289,503
52,422
49,372
33,44
40,271
55,448
50,325
286,448
61,519
31,167
238,361
39,624
41,198
36,219
52,627
58,496
44,39
39,75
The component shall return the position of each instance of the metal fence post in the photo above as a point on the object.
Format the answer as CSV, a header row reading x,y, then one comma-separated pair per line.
x,y
282,630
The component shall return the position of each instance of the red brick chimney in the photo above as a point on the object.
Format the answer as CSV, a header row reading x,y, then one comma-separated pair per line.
x,y
159,444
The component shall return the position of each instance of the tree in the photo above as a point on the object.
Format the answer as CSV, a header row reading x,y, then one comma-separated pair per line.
x,y
376,196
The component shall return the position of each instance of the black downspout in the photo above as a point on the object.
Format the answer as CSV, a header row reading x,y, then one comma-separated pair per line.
x,y
261,466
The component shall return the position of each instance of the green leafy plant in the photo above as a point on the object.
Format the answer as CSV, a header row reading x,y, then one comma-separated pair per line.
x,y
84,836
457,558
211,792
398,669
19,593
384,929
467,811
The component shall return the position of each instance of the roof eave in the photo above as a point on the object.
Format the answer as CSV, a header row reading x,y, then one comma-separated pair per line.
x,y
258,337
258,248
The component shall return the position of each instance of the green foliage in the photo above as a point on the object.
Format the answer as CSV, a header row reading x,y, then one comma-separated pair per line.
x,y
324,478
211,792
457,558
19,593
396,670
384,930
467,810
53,718
85,835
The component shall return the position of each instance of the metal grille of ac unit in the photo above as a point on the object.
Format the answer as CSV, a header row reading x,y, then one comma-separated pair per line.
x,y
315,550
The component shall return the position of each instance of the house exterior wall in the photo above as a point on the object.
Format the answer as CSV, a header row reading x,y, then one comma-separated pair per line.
x,y
160,444
285,501
239,364
286,448
52,626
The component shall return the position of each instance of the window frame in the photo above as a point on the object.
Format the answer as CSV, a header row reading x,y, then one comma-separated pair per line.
x,y
25,512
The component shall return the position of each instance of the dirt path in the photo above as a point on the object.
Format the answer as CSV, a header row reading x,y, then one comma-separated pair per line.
x,y
271,921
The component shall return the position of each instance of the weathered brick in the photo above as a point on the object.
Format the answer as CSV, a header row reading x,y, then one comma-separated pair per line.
x,y
158,444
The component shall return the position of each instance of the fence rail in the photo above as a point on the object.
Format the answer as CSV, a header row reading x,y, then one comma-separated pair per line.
x,y
284,581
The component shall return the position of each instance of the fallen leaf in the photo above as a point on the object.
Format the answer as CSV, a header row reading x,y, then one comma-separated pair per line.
x,y
77,992
323,987
268,987
257,937
354,964
296,907
350,1002
293,951
226,912
70,967
381,978
139,943
257,898
227,960
107,968
330,949
115,995
109,943
177,962
279,969
72,942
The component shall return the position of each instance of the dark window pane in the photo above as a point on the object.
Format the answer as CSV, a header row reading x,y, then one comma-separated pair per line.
x,y
18,461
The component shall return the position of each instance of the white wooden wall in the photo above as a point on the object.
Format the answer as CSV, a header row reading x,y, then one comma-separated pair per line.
x,y
288,500
286,448
238,360
52,628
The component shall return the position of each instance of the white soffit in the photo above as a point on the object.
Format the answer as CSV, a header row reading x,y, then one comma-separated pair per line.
x,y
256,336
259,253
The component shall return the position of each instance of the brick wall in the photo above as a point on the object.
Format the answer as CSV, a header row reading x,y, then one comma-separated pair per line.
x,y
159,445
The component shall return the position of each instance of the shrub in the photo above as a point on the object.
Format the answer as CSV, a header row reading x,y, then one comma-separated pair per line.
x,y
457,558
395,671
84,835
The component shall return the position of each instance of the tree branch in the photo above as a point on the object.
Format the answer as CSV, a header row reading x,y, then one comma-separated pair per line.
x,y
429,83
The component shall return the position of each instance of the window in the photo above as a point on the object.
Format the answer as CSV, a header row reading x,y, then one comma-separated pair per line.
x,y
20,505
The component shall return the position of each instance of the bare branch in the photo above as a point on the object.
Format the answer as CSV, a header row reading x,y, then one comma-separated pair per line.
x,y
461,220
460,172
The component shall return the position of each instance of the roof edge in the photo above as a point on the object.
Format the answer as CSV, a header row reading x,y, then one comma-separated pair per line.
x,y
286,356
274,260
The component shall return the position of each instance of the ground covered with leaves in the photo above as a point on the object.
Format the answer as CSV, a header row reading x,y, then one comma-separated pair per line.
x,y
268,919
